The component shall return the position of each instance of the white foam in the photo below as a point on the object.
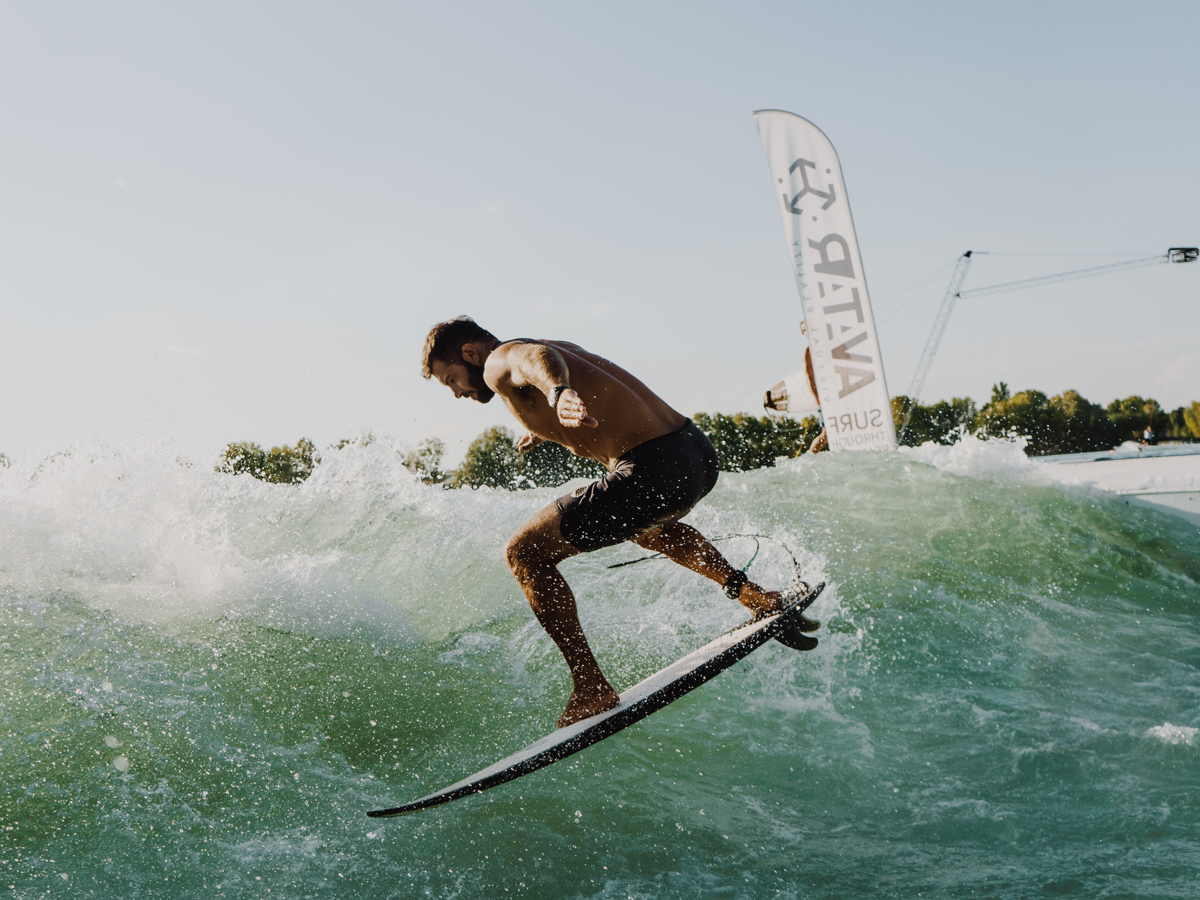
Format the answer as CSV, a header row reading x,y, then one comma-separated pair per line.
x,y
137,529
977,457
1174,734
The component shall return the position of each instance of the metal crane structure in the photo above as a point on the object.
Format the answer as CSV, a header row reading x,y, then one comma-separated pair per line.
x,y
954,292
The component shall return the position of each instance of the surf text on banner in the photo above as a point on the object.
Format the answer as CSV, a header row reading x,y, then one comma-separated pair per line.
x,y
829,275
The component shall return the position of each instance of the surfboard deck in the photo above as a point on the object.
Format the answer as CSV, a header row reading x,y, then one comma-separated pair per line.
x,y
637,702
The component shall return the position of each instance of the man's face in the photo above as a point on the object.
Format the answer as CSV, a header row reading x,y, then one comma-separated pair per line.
x,y
464,379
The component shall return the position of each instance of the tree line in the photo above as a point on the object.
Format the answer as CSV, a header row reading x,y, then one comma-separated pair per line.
x,y
1064,423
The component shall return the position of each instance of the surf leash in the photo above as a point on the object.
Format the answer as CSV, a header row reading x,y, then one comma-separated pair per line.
x,y
725,537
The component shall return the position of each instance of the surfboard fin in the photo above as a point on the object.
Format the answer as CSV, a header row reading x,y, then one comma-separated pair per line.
x,y
791,637
805,624
791,631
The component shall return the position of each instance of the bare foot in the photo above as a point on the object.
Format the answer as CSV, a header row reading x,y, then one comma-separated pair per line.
x,y
764,603
579,708
760,602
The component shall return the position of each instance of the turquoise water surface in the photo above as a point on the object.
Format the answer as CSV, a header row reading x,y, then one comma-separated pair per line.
x,y
208,680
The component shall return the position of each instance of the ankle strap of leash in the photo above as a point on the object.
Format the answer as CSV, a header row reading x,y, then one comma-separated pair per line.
x,y
733,587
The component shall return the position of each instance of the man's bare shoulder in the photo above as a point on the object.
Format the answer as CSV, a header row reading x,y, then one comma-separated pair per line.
x,y
509,353
499,364
514,363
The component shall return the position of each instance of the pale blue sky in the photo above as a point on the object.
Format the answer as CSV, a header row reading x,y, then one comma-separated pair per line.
x,y
233,221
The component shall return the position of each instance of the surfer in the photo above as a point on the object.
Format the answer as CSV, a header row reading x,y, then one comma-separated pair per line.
x,y
659,465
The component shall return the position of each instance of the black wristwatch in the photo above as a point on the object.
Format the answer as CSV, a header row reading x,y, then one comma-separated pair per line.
x,y
733,587
555,393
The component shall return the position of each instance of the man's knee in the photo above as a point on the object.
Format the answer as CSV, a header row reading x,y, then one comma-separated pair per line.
x,y
529,549
538,542
516,553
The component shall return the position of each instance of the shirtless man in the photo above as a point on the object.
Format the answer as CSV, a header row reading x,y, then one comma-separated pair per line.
x,y
660,466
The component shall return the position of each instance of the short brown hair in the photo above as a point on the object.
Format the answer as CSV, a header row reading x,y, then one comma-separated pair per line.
x,y
445,341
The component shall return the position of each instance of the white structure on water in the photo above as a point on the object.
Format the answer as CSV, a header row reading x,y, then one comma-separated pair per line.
x,y
1164,478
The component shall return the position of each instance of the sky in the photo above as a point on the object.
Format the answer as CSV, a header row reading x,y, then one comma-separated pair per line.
x,y
237,222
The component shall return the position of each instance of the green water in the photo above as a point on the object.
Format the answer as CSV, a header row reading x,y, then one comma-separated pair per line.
x,y
207,681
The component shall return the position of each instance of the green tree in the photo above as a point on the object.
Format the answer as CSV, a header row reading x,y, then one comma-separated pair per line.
x,y
1083,426
550,465
1028,414
1191,417
244,458
279,465
291,465
1066,423
1133,414
492,460
1175,427
941,423
426,461
364,440
745,442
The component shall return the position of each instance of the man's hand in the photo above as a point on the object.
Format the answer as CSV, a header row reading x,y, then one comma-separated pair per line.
x,y
528,441
572,412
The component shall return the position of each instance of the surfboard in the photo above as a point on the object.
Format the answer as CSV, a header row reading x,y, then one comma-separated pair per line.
x,y
637,702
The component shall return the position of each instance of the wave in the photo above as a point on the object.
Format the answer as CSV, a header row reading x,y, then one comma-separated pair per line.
x,y
211,678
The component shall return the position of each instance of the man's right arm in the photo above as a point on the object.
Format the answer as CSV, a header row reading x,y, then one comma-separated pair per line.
x,y
530,364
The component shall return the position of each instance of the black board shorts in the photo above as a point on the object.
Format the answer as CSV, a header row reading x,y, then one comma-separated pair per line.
x,y
653,484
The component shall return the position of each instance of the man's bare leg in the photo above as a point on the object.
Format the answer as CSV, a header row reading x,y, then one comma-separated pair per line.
x,y
688,547
534,553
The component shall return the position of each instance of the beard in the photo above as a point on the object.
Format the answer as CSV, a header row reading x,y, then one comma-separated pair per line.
x,y
479,389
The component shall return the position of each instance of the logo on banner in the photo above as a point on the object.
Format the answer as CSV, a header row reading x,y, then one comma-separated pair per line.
x,y
837,265
808,188
850,352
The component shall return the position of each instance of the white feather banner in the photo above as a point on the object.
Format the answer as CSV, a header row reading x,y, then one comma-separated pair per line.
x,y
829,275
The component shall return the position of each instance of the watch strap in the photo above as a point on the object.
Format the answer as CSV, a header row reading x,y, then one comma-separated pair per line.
x,y
555,393
733,587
